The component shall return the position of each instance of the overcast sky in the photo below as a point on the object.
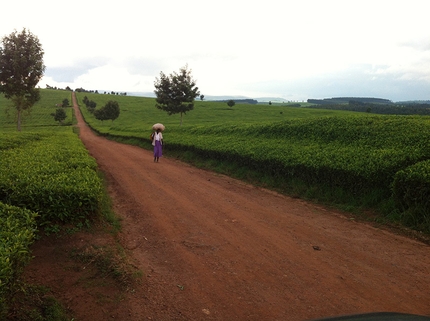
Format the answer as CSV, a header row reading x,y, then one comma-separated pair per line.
x,y
292,49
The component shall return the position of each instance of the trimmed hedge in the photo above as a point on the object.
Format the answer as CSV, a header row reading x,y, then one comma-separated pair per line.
x,y
355,153
17,232
411,193
53,176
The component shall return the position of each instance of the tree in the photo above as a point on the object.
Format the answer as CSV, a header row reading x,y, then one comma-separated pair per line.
x,y
231,103
21,68
202,97
59,115
176,93
109,111
65,102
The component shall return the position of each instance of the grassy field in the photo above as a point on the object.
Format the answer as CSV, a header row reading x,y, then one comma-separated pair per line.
x,y
138,114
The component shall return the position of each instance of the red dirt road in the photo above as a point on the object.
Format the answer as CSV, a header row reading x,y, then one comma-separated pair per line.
x,y
214,248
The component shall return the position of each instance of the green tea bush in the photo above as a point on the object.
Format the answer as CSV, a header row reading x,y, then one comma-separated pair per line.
x,y
16,139
53,176
357,154
411,193
17,232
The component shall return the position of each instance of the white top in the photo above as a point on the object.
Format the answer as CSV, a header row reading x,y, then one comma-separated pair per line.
x,y
157,136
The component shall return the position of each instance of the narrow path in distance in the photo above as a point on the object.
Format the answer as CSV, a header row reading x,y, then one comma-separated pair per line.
x,y
214,248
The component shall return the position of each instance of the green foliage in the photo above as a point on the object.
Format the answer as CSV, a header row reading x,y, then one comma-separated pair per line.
x,y
411,192
46,169
17,232
372,105
109,111
41,113
21,68
354,153
91,105
231,103
59,115
53,176
65,103
12,140
176,93
138,115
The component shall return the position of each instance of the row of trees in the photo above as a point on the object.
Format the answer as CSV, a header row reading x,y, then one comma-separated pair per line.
x,y
56,88
387,109
82,90
109,111
345,100
91,105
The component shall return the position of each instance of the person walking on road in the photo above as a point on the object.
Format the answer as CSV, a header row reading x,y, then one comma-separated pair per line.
x,y
157,142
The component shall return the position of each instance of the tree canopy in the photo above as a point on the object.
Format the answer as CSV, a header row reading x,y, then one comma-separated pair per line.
x,y
109,111
231,103
21,68
176,93
65,102
59,115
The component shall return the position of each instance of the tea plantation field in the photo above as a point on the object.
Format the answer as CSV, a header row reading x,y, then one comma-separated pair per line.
x,y
47,180
357,160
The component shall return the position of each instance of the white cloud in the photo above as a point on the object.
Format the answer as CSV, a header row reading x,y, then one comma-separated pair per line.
x,y
273,47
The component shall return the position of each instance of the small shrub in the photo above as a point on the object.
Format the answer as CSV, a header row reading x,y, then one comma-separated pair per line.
x,y
17,232
411,193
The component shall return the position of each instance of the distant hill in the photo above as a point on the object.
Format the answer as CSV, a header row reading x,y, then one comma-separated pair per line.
x,y
224,98
346,100
240,101
237,99
413,102
244,98
372,105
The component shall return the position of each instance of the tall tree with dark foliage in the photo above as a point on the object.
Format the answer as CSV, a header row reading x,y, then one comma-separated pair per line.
x,y
21,68
176,92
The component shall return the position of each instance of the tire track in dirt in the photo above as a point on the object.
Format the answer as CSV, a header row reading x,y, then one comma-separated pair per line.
x,y
214,248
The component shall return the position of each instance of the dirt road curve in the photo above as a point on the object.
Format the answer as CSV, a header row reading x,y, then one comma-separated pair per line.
x,y
214,248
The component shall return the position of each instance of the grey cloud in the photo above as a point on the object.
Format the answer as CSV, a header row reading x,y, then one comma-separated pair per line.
x,y
64,74
80,67
351,83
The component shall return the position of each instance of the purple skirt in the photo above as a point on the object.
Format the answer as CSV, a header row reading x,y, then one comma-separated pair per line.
x,y
158,149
